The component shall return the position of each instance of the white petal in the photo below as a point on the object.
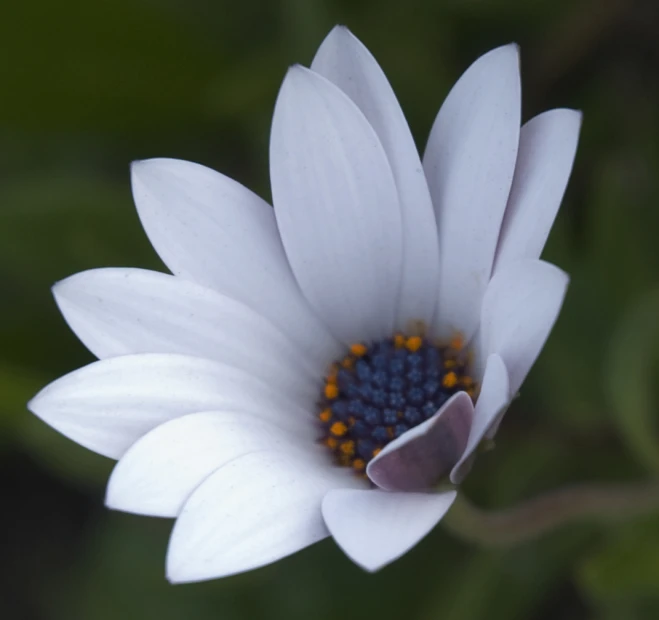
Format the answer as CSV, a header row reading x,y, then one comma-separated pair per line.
x,y
210,229
110,404
123,311
520,307
492,401
159,472
346,62
547,146
336,207
469,164
420,457
374,528
255,510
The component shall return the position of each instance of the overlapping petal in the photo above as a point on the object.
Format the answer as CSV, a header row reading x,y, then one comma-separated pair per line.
x,y
159,472
110,404
420,457
492,401
547,146
469,163
346,62
210,229
336,206
124,311
254,510
520,307
374,528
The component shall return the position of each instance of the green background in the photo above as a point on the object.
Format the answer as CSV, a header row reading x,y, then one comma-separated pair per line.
x,y
88,87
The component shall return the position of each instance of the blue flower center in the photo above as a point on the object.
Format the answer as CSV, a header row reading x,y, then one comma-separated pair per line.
x,y
379,391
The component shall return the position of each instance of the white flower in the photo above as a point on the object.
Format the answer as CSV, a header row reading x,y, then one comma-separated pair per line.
x,y
210,379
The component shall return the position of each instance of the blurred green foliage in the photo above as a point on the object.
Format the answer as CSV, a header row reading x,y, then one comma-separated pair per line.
x,y
89,86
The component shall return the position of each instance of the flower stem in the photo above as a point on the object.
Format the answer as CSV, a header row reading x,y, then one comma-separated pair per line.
x,y
534,517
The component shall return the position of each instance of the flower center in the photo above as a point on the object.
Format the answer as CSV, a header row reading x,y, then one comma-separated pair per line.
x,y
378,391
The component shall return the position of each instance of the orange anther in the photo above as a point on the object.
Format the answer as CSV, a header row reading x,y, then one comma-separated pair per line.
x,y
358,349
348,362
331,443
332,375
399,341
338,429
450,380
331,390
457,342
376,451
325,415
359,464
413,343
348,448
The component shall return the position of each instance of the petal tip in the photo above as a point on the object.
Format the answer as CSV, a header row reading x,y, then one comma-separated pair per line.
x,y
33,405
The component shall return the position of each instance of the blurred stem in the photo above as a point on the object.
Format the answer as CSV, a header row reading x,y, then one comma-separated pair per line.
x,y
537,516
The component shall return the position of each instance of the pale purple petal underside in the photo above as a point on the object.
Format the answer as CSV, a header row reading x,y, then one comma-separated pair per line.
x,y
418,459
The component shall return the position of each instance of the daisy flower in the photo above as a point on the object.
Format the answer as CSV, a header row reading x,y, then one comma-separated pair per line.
x,y
330,365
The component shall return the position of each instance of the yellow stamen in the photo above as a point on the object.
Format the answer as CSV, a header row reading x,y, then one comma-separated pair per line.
x,y
331,443
399,341
457,342
348,448
332,376
376,451
325,415
467,381
450,380
344,460
348,362
331,391
413,343
338,429
449,363
358,349
390,432
359,464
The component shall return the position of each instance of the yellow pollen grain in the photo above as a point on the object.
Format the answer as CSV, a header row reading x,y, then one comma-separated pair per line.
x,y
331,443
338,429
358,349
348,448
348,362
450,363
390,432
325,415
457,342
359,464
413,343
331,390
376,451
467,381
399,341
450,380
333,375
344,460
